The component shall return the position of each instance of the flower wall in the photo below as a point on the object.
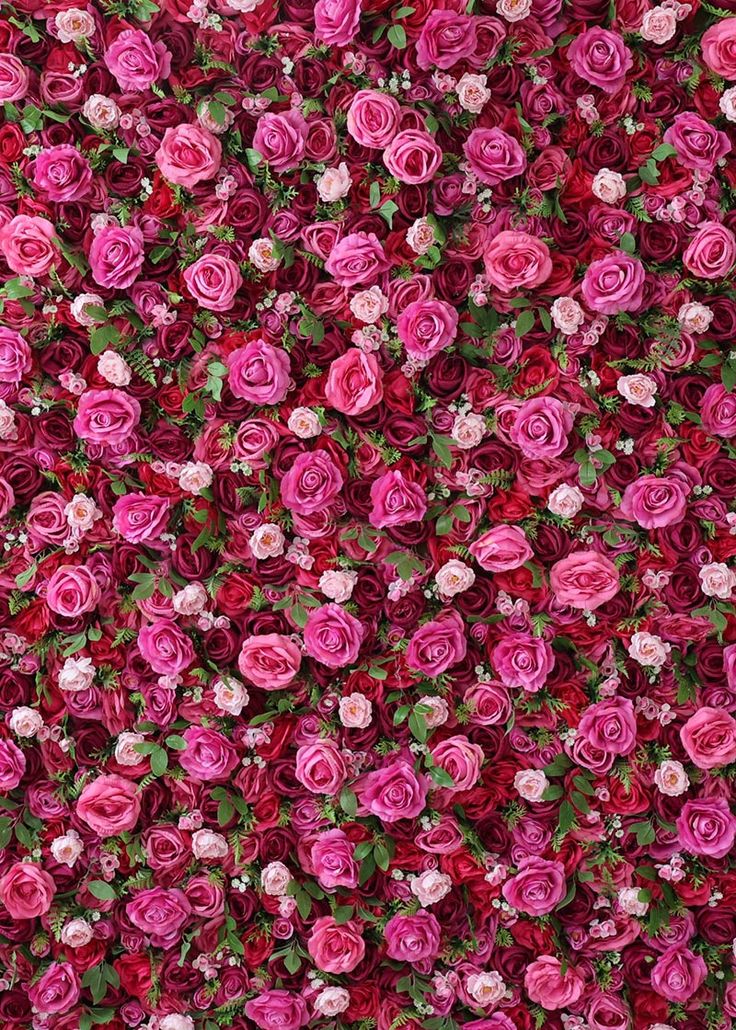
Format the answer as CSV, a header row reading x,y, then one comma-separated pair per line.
x,y
367,478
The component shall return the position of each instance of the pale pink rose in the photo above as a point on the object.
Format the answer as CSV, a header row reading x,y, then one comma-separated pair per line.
x,y
671,779
125,749
567,315
101,112
514,10
436,711
430,887
487,988
472,92
638,389
421,235
189,154
206,844
694,317
648,649
337,584
531,784
454,577
334,183
727,104
659,25
608,186
114,368
717,580
230,695
267,541
77,674
630,902
468,430
356,711
194,477
76,933
262,254
304,423
565,501
191,599
331,1001
369,306
25,722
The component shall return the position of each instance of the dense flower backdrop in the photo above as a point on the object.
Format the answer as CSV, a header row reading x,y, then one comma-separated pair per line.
x,y
368,464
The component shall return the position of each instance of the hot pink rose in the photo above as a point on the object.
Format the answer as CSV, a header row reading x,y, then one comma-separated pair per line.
x,y
699,145
461,759
711,252
538,886
414,938
333,636
116,256
501,549
106,416
189,154
161,914
333,859
312,483
610,726
278,1010
584,580
354,383
26,890
12,765
521,660
269,661
259,372
109,805
321,768
214,280
396,501
138,517
357,259
336,948
336,21
373,118
412,156
437,645
601,58
426,327
446,38
541,427
718,411
72,590
655,501
516,261
15,356
393,792
709,737
57,990
166,648
26,243
208,756
62,173
551,986
718,45
493,156
678,973
706,826
136,61
281,139
613,284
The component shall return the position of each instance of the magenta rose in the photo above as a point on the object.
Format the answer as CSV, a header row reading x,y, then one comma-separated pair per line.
x,y
161,914
57,990
72,590
613,284
610,726
281,139
541,427
711,252
138,517
460,759
208,755
62,173
538,886
601,58
27,244
213,280
269,661
678,973
166,648
655,501
12,765
136,61
333,859
26,890
335,948
412,156
312,483
698,144
584,580
354,383
278,1010
15,356
116,256
373,118
718,411
501,549
517,261
414,938
718,47
446,38
393,791
396,501
521,660
551,985
706,826
106,417
426,327
189,154
259,372
709,737
357,259
437,645
333,636
109,805
336,21
493,156
321,768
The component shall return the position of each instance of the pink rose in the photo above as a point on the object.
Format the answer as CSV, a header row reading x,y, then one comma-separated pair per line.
x,y
678,973
14,78
259,372
613,284
501,549
281,139
493,157
414,938
718,45
516,261
711,252
62,173
109,805
269,661
321,768
161,914
426,327
357,259
333,636
437,645
521,660
26,243
373,118
354,383
333,860
136,61
538,886
15,356
336,948
26,890
699,145
58,989
396,501
213,280
116,256
138,517
709,737
412,156
490,703
106,417
446,38
655,501
72,590
189,154
278,1010
461,759
548,985
393,792
718,411
601,58
706,826
12,765
336,21
312,483
541,427
584,580
610,726
208,756
166,648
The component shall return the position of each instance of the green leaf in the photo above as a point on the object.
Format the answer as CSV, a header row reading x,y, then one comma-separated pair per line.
x,y
441,777
176,742
101,337
348,802
663,151
342,914
159,762
397,36
524,323
418,726
101,890
627,243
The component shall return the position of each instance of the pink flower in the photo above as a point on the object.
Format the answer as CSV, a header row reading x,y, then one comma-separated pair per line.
x,y
437,645
541,427
336,948
208,756
414,938
373,118
354,383
106,417
584,579
333,860
312,483
332,636
160,913
655,501
281,139
62,173
166,648
446,38
393,791
501,549
601,58
521,660
109,805
136,61
709,737
138,517
357,259
412,156
538,886
116,257
320,767
278,1010
336,21
269,661
259,373
551,985
189,154
396,501
516,261
613,284
26,890
213,281
426,327
57,990
678,973
493,156
27,244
